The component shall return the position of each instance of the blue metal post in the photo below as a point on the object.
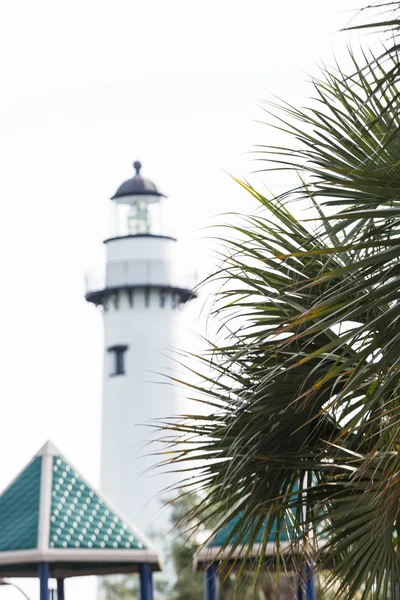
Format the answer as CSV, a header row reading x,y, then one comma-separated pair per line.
x,y
60,589
310,581
44,575
211,582
306,583
146,582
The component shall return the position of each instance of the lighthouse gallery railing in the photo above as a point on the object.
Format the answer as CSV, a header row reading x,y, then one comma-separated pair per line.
x,y
141,273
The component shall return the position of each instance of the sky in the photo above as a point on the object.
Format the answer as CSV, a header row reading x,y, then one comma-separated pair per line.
x,y
86,88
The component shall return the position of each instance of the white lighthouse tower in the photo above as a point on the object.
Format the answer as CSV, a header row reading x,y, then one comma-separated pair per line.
x,y
144,288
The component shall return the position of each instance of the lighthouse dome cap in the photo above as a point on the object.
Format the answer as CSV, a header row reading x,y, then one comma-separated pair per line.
x,y
137,186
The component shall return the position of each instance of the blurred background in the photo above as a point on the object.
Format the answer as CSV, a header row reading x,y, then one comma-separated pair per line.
x,y
87,88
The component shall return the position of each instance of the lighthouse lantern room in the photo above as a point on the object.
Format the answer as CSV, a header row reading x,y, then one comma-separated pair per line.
x,y
137,206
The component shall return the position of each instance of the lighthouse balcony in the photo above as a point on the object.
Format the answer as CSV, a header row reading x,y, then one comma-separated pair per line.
x,y
140,274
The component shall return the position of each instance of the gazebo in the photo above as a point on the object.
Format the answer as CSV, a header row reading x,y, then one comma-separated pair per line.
x,y
54,524
217,551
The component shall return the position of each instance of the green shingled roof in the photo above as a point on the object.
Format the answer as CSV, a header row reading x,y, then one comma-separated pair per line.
x,y
49,513
219,547
225,534
19,510
81,519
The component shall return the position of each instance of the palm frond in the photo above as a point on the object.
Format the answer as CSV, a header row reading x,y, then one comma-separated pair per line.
x,y
303,383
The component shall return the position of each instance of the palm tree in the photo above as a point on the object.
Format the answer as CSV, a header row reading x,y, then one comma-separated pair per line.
x,y
303,433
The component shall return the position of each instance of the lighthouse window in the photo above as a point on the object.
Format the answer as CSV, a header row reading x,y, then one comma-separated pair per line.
x,y
116,301
130,297
175,300
118,359
163,297
147,297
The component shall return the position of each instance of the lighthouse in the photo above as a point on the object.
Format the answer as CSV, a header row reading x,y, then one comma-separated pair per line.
x,y
141,295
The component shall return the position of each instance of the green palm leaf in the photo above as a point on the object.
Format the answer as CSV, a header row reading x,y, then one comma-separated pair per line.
x,y
303,384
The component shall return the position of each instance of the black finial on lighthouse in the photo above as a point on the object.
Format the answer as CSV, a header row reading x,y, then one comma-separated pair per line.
x,y
137,186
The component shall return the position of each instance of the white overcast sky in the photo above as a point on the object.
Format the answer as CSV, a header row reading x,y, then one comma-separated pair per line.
x,y
86,88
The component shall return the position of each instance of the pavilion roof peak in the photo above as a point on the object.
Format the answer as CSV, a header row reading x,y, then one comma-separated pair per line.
x,y
50,513
48,449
